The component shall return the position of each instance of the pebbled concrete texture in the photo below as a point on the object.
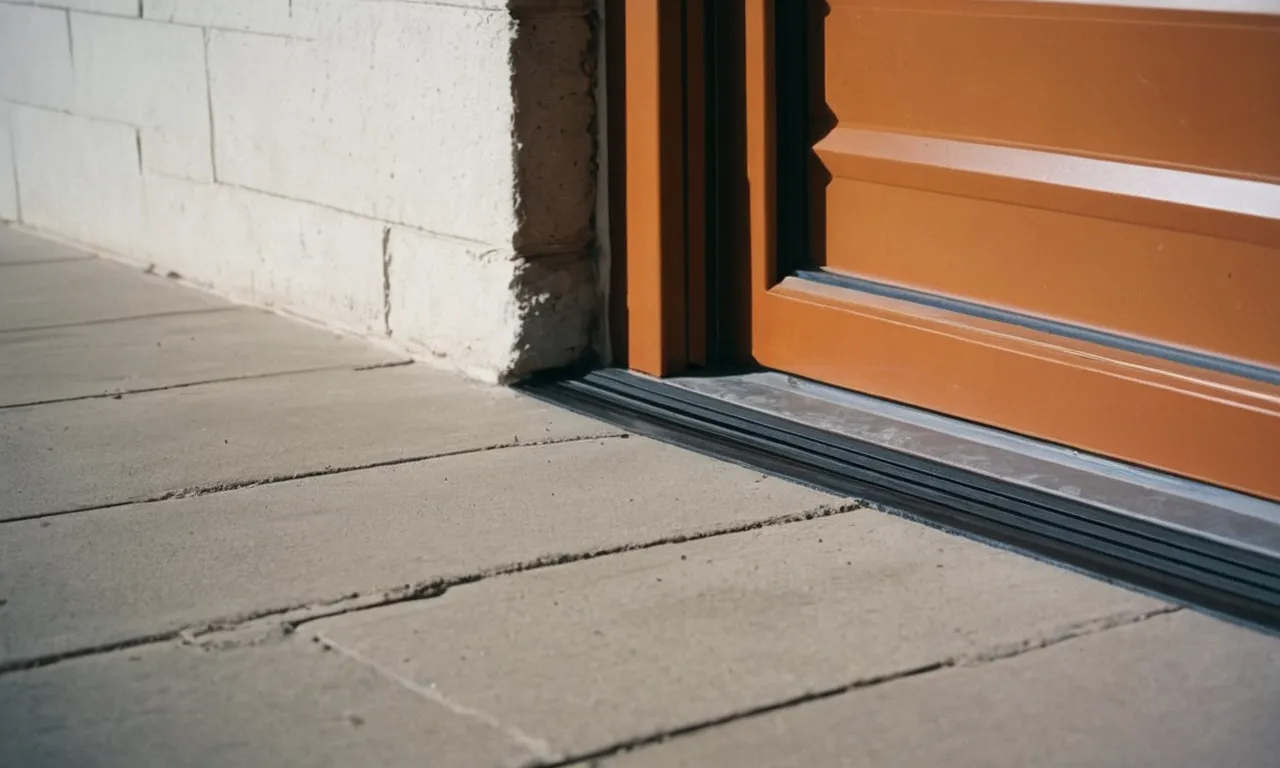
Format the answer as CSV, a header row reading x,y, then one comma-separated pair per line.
x,y
279,706
98,578
590,655
1183,691
176,350
87,453
63,293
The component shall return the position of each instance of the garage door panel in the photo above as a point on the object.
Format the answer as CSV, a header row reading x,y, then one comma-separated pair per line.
x,y
1198,424
1185,290
1060,219
1218,206
1183,89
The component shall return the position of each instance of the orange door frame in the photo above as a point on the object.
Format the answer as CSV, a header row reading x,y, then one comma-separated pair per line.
x,y
657,184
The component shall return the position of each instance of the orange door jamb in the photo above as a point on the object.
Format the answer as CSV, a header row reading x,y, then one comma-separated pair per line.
x,y
663,141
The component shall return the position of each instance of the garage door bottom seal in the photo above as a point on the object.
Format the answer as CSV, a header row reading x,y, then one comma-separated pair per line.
x,y
1205,572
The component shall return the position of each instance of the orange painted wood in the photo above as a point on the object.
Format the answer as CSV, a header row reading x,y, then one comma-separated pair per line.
x,y
1186,290
1192,89
655,200
943,195
1000,152
1187,421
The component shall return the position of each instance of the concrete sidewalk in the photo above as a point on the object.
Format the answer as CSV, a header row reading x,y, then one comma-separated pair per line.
x,y
229,539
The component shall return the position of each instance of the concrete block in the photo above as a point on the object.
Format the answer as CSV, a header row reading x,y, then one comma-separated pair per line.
x,y
400,111
151,76
95,360
79,178
35,56
271,16
1182,691
487,312
65,293
88,453
286,706
93,578
590,655
8,174
114,7
307,259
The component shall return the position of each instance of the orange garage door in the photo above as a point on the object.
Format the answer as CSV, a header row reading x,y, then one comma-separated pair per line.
x,y
1059,218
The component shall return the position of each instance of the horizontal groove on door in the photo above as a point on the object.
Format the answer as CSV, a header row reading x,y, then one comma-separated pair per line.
x,y
1086,242
1183,201
1126,343
1197,423
1132,84
1185,567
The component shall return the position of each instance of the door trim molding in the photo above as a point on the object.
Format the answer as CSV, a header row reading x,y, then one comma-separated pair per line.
x,y
664,195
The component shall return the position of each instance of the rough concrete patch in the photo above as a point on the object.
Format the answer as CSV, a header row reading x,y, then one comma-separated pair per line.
x,y
553,65
553,84
556,299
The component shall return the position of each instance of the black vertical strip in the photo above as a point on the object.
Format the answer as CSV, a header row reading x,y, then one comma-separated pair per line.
x,y
713,64
684,169
791,88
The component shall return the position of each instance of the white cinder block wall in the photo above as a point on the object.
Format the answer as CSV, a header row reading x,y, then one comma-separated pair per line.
x,y
410,169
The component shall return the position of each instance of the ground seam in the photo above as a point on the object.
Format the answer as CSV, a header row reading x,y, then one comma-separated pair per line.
x,y
202,633
540,749
116,320
210,489
989,656
188,384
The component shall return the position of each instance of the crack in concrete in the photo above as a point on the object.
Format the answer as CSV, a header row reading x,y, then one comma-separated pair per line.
x,y
211,634
990,655
380,366
208,95
45,262
386,281
36,662
434,588
183,385
125,319
226,486
537,747
207,636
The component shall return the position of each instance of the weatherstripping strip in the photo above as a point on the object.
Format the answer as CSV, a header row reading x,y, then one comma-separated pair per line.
x,y
1208,574
1080,333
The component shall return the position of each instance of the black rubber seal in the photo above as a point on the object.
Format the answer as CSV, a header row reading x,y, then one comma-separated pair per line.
x,y
1185,568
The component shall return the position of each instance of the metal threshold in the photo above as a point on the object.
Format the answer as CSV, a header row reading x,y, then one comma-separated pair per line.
x,y
1194,543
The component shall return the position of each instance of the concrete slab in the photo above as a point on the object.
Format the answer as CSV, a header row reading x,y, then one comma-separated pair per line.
x,y
281,706
83,580
63,293
86,453
1178,691
19,248
591,655
93,360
